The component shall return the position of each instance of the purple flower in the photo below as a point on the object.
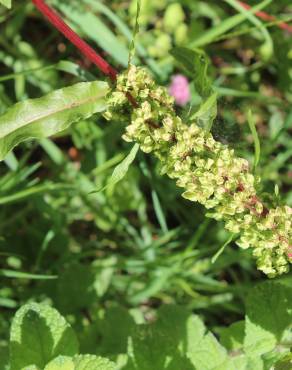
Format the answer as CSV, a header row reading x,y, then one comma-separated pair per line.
x,y
179,89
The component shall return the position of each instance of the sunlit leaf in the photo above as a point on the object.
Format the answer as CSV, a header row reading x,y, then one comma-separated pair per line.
x,y
46,116
38,335
7,3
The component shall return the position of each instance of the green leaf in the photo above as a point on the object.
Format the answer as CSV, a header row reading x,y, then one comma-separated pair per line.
x,y
233,336
39,334
230,22
178,338
207,112
6,3
80,362
115,329
24,275
46,116
268,315
196,63
121,169
257,145
267,47
135,32
75,288
95,29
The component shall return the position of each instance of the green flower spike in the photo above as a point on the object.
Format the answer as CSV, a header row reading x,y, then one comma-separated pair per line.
x,y
209,171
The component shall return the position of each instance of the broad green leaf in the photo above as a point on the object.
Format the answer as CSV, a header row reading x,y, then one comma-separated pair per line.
x,y
268,315
208,354
33,190
178,338
233,336
256,140
46,116
121,169
38,335
221,249
6,3
115,329
81,362
196,63
75,288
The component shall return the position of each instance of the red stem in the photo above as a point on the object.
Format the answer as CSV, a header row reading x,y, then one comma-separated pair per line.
x,y
267,17
85,49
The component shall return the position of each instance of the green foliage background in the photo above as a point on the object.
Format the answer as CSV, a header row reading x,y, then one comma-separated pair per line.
x,y
130,266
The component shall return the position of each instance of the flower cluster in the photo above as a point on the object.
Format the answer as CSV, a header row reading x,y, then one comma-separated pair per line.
x,y
209,171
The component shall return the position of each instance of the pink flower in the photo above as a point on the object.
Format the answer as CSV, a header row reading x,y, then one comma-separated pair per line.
x,y
179,89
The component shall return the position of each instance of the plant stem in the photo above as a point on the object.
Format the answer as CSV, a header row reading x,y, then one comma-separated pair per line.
x,y
267,17
52,16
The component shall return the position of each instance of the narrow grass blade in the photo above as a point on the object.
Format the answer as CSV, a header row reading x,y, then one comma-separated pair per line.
x,y
221,250
267,47
121,169
24,275
257,145
229,23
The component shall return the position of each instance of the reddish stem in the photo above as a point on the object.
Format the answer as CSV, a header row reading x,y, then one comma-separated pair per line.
x,y
267,17
85,49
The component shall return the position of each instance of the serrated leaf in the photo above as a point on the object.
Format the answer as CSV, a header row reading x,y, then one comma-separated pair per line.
x,y
75,288
233,336
94,28
6,3
39,334
81,362
268,315
61,363
115,329
178,338
208,354
46,116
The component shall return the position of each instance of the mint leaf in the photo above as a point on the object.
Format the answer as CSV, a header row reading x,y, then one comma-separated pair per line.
x,y
268,315
208,354
115,329
39,334
80,362
177,340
